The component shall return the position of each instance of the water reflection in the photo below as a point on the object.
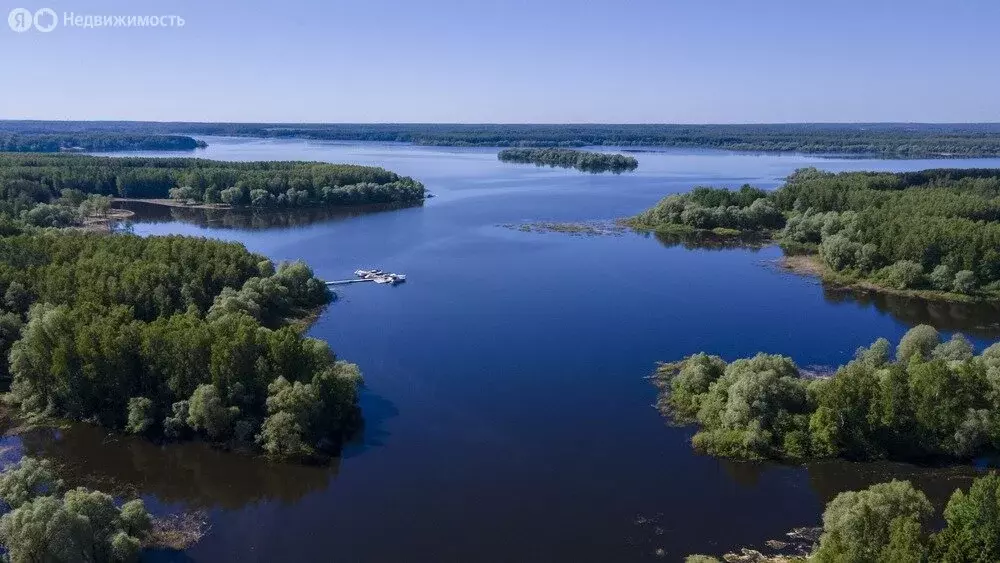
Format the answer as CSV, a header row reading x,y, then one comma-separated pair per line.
x,y
975,319
254,219
711,241
829,478
193,474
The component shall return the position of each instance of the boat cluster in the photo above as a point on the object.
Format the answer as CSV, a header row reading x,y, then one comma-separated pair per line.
x,y
378,276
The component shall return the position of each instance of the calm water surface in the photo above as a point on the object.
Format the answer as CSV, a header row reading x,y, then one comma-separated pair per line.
x,y
508,418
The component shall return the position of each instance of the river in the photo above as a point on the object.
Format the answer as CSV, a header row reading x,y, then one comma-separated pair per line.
x,y
508,417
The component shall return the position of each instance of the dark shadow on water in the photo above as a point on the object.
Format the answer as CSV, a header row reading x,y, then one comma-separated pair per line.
x,y
975,319
828,478
193,474
165,556
252,219
376,410
711,241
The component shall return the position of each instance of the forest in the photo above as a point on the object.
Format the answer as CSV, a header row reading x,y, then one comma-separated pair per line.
x,y
893,522
925,399
171,338
49,521
30,180
586,161
95,142
892,140
934,230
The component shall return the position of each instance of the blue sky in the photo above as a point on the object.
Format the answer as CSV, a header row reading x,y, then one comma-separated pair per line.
x,y
552,61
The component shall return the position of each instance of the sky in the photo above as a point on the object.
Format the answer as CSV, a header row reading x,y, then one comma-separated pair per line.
x,y
511,61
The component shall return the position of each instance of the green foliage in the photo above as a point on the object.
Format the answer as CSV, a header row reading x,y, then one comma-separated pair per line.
x,y
29,184
937,400
747,409
972,530
942,279
165,336
95,142
904,231
140,415
920,341
47,524
965,282
587,161
904,274
30,478
746,209
207,412
891,140
876,524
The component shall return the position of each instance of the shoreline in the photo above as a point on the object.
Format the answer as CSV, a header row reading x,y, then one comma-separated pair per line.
x,y
810,265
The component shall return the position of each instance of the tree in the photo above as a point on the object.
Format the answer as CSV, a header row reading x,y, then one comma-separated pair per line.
x,y
872,525
942,278
207,413
30,478
140,415
965,282
972,529
921,339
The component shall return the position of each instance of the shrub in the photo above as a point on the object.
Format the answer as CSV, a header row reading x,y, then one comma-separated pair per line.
x,y
965,282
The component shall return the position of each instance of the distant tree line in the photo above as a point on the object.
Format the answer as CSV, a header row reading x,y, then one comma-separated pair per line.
x,y
95,142
29,180
930,230
587,161
892,140
171,338
893,522
927,399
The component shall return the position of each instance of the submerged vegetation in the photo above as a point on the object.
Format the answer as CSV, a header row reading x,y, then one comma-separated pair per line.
x,y
927,399
95,142
587,161
27,181
936,231
893,522
892,140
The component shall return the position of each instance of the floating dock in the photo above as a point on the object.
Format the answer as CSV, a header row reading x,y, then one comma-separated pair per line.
x,y
377,276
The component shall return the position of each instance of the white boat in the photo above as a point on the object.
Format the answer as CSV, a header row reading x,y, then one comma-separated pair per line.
x,y
383,279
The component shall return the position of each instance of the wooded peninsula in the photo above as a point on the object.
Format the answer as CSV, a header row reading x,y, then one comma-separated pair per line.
x,y
48,190
95,142
925,399
935,233
586,161
891,140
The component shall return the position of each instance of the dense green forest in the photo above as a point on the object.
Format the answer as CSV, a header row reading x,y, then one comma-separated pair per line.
x,y
892,522
587,161
47,521
95,142
894,140
27,181
932,230
926,399
171,338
